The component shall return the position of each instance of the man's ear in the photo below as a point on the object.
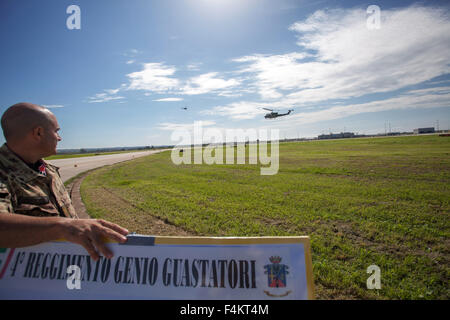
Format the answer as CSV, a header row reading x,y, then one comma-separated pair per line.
x,y
38,132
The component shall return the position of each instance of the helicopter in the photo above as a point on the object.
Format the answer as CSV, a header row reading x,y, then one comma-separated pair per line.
x,y
273,114
185,108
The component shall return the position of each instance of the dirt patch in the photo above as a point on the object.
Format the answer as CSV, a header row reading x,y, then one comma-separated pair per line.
x,y
125,213
122,212
74,192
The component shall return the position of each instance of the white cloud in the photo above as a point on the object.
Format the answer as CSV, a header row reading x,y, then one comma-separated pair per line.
x,y
112,91
342,59
52,106
435,90
239,110
108,95
131,53
169,100
155,77
206,83
194,66
275,72
349,60
130,61
103,99
338,58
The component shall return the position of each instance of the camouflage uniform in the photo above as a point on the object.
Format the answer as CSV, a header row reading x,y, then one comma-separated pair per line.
x,y
26,191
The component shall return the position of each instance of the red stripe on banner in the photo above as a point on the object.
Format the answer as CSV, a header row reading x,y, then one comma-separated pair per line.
x,y
10,254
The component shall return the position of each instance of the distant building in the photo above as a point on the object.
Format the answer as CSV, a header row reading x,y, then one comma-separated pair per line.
x,y
423,130
337,135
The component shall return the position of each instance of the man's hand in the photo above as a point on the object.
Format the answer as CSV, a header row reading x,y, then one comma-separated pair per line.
x,y
91,233
17,230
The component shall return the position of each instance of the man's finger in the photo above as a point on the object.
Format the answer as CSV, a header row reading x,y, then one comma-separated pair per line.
x,y
114,226
87,244
111,234
100,245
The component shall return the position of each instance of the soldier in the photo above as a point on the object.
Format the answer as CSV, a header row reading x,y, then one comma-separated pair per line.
x,y
34,205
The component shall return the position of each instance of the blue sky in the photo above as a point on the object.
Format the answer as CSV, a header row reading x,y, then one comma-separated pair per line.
x,y
122,79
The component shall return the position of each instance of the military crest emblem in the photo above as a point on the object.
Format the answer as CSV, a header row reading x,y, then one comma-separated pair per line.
x,y
276,276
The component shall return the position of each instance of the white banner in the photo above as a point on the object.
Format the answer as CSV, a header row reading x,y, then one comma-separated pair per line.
x,y
162,268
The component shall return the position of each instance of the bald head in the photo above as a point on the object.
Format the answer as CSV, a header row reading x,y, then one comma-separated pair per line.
x,y
21,118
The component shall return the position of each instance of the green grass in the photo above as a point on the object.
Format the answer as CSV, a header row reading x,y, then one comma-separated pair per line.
x,y
382,201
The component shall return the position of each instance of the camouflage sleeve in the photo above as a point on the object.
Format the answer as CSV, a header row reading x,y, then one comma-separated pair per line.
x,y
5,199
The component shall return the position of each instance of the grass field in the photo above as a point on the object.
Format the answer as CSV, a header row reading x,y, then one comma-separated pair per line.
x,y
382,201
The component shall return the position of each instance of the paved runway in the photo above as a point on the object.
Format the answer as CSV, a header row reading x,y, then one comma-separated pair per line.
x,y
69,168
